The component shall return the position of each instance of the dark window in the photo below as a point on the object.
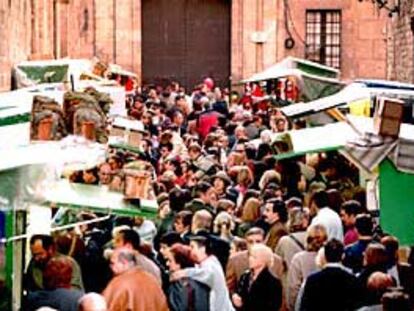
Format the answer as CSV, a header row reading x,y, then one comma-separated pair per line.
x,y
323,37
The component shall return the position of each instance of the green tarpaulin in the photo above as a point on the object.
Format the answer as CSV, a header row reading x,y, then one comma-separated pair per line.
x,y
396,197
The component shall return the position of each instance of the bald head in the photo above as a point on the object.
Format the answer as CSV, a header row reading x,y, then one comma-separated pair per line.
x,y
379,281
92,302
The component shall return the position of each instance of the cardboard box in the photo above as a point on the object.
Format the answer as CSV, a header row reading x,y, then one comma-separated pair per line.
x,y
388,116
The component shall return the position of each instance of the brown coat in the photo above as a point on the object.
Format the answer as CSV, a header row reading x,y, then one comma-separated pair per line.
x,y
135,290
277,230
239,263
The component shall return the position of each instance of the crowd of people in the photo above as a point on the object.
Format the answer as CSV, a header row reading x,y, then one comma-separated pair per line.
x,y
236,229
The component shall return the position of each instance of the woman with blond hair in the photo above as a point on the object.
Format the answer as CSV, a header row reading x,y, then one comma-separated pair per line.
x,y
223,226
258,289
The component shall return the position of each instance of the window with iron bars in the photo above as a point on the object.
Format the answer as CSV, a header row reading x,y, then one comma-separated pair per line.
x,y
323,37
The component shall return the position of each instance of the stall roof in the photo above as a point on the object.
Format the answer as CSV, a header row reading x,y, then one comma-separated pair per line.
x,y
30,73
333,136
97,199
72,151
329,137
34,172
357,90
314,80
291,66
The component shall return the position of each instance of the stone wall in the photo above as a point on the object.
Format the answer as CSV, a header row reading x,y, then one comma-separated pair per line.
x,y
400,56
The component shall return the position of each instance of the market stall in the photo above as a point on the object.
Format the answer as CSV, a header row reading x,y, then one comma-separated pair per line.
x,y
313,80
30,184
386,167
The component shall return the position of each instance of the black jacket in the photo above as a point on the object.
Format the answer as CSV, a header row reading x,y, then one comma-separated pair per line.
x,y
332,288
264,294
188,295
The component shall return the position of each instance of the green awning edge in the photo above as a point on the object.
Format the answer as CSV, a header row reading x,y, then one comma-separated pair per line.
x,y
16,119
128,212
293,154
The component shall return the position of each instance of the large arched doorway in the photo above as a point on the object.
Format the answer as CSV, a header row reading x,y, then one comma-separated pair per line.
x,y
186,40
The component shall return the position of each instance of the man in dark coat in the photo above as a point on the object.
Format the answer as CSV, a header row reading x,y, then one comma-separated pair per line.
x,y
258,289
334,287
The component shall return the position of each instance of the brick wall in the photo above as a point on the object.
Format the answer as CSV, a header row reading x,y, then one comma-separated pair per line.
x,y
42,29
363,42
111,30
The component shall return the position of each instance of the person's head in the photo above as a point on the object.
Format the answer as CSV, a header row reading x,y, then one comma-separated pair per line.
x,y
364,225
280,124
349,211
167,241
178,118
165,149
237,245
57,273
251,210
244,176
90,176
92,302
174,165
266,136
294,202
375,255
181,102
127,238
42,247
201,221
335,199
115,162
275,210
318,200
179,257
194,151
226,205
105,174
254,235
240,132
260,256
391,245
182,221
316,238
298,219
122,260
204,190
334,251
221,181
378,283
223,223
327,167
178,198
396,300
200,248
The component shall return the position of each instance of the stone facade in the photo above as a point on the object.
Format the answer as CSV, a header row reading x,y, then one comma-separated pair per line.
x,y
400,44
111,30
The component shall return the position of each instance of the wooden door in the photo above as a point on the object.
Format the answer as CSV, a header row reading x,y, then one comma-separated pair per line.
x,y
186,41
